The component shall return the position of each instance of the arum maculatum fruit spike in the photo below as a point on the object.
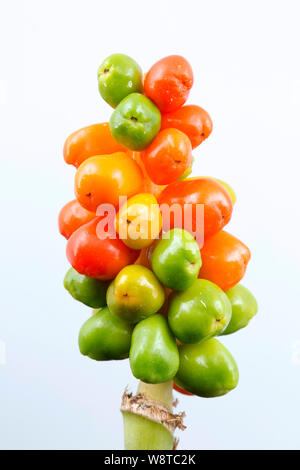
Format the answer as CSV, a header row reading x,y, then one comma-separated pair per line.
x,y
162,292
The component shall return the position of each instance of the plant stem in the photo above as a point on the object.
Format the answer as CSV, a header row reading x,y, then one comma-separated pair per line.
x,y
162,393
148,420
143,434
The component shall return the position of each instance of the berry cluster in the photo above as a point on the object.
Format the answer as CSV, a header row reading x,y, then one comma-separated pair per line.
x,y
146,241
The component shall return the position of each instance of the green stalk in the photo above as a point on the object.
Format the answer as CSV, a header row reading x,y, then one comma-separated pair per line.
x,y
142,434
162,393
148,419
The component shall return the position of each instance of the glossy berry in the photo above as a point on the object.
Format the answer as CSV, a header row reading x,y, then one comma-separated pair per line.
x,y
168,82
168,156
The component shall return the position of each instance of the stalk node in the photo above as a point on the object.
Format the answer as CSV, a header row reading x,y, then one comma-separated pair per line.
x,y
155,411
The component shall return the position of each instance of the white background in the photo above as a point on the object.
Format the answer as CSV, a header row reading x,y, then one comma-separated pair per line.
x,y
245,56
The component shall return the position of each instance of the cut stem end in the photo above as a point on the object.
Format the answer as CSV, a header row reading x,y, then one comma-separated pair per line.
x,y
149,422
